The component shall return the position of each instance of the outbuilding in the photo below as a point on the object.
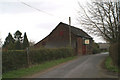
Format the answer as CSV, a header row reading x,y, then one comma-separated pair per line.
x,y
65,35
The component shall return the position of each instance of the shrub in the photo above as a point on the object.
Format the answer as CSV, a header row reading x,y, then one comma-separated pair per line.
x,y
95,48
13,59
41,55
109,65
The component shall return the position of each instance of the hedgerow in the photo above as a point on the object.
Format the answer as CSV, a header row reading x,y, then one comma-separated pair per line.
x,y
16,59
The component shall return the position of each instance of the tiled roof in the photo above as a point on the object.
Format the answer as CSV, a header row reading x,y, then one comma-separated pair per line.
x,y
76,31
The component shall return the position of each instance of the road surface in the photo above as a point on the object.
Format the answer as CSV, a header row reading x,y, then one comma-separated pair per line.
x,y
87,66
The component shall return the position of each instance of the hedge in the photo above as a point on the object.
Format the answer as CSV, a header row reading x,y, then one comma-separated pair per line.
x,y
16,59
12,60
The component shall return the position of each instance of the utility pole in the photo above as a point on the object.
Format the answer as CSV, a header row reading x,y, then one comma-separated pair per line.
x,y
70,31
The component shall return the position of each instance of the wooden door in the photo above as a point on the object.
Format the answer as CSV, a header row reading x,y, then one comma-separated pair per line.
x,y
84,49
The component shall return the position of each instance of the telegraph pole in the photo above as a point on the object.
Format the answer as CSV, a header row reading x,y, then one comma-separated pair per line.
x,y
70,31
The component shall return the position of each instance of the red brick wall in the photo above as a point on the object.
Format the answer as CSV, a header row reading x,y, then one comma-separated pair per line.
x,y
89,48
59,37
79,45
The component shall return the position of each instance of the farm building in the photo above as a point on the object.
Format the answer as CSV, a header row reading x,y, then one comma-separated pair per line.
x,y
65,35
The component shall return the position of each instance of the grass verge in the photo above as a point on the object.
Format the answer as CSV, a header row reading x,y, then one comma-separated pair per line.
x,y
109,65
36,68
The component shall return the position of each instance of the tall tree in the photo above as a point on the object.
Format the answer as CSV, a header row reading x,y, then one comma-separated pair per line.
x,y
9,42
101,18
18,45
18,38
25,41
18,35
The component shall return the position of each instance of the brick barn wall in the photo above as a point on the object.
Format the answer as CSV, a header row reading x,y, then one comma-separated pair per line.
x,y
89,48
59,37
79,45
42,43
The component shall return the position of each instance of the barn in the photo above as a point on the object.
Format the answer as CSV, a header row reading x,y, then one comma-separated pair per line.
x,y
65,35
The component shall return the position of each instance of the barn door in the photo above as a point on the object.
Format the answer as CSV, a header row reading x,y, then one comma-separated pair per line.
x,y
84,49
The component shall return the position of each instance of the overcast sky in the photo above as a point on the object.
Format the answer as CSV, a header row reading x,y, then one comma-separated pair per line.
x,y
38,21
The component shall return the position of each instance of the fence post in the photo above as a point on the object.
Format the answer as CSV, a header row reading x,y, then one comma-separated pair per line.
x,y
28,58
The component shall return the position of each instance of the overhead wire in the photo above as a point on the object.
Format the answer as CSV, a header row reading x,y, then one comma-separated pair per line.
x,y
37,9
41,10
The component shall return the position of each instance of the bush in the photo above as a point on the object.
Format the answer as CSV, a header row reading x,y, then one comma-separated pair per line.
x,y
95,48
109,65
41,55
13,60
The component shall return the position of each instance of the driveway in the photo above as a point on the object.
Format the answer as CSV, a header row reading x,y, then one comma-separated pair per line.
x,y
87,66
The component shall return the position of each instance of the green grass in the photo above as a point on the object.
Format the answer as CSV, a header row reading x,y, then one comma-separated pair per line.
x,y
109,65
34,69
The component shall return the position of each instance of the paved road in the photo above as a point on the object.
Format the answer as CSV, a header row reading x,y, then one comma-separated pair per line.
x,y
83,67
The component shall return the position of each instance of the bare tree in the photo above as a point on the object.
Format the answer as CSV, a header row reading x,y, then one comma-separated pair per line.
x,y
102,19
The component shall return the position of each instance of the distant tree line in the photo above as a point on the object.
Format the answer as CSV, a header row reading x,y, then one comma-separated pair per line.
x,y
17,42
